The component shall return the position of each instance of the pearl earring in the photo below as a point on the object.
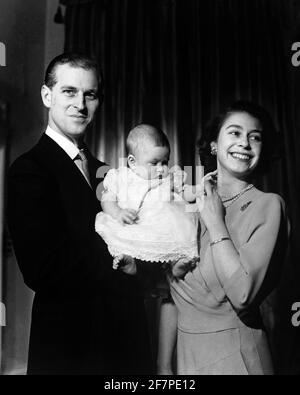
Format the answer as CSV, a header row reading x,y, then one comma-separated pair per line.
x,y
214,151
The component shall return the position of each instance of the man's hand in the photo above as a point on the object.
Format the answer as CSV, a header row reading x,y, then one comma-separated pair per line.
x,y
126,264
127,216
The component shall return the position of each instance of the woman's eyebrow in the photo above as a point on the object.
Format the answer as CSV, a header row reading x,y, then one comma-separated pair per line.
x,y
240,127
256,131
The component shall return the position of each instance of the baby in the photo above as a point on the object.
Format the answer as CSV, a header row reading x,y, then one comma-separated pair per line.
x,y
143,217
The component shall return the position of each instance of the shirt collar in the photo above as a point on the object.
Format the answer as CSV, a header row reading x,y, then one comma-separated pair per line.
x,y
67,145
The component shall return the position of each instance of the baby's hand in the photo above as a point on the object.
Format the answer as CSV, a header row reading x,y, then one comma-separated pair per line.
x,y
178,178
182,266
125,263
127,216
189,193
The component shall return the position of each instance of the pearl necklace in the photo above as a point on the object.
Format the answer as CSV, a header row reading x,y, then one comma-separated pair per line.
x,y
236,197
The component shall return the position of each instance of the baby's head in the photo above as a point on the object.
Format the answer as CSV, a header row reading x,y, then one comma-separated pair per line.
x,y
148,151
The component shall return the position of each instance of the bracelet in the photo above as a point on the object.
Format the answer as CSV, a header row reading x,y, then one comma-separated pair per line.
x,y
219,241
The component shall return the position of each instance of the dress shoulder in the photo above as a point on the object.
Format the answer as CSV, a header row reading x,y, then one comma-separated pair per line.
x,y
266,210
268,203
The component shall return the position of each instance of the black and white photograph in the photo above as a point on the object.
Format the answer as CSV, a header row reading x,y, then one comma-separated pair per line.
x,y
149,190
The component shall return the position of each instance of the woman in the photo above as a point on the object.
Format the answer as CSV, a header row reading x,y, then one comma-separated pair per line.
x,y
216,317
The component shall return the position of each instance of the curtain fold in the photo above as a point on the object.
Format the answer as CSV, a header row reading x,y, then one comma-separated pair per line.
x,y
175,64
2,172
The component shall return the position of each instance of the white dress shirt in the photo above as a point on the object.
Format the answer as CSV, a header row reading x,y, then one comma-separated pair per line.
x,y
70,148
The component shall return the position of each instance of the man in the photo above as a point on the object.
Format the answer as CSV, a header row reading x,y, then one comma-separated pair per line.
x,y
83,315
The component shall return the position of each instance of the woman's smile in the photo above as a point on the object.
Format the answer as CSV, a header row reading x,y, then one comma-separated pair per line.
x,y
241,156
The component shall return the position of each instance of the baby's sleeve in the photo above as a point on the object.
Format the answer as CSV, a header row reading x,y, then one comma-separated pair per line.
x,y
110,183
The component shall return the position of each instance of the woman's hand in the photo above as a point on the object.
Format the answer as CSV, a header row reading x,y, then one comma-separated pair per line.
x,y
180,268
210,204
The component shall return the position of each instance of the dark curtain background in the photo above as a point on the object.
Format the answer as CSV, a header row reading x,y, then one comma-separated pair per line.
x,y
175,64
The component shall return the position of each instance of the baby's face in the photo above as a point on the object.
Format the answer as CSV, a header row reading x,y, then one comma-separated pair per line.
x,y
152,162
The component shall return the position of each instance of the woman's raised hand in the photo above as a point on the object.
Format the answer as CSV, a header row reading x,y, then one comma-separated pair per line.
x,y
209,202
212,177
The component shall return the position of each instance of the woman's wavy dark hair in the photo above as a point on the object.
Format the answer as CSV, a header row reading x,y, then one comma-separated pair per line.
x,y
270,148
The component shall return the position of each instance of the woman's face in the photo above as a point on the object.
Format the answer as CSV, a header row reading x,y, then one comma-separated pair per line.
x,y
239,144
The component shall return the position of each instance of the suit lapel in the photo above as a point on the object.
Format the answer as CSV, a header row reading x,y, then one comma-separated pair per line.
x,y
58,162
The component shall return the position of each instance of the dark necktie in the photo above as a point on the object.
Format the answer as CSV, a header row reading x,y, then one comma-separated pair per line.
x,y
82,163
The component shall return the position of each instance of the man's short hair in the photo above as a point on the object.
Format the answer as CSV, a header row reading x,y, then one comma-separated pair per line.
x,y
73,59
145,134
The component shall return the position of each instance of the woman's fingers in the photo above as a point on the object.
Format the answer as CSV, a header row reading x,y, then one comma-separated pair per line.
x,y
209,177
208,188
182,266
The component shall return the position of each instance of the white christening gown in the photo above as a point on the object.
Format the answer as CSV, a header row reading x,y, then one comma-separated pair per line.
x,y
165,231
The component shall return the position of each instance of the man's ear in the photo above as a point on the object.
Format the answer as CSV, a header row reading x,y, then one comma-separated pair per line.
x,y
131,161
46,96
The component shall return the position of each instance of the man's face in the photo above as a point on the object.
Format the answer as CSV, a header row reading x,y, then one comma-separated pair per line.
x,y
72,101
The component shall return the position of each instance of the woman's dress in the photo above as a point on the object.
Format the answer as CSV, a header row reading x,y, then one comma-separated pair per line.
x,y
220,328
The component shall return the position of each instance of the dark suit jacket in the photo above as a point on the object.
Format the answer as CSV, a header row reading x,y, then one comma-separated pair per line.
x,y
86,318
